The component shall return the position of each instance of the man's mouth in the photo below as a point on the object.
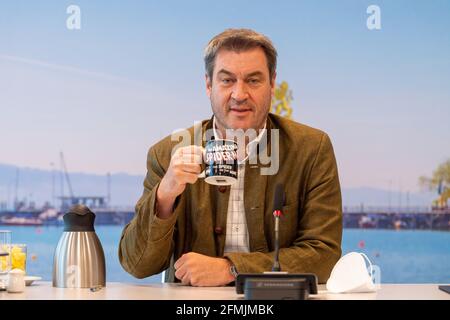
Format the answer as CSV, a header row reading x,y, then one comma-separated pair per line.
x,y
240,110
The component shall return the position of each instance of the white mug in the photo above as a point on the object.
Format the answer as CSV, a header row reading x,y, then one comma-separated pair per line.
x,y
16,281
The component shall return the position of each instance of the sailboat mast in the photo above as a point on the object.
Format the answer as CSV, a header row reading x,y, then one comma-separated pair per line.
x,y
16,190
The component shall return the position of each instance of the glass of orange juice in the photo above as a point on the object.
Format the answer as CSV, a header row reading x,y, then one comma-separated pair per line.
x,y
18,253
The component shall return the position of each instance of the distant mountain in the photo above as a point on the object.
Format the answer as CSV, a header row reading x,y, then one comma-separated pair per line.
x,y
373,197
36,185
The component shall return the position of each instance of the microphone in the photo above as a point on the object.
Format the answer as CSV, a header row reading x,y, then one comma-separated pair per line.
x,y
278,201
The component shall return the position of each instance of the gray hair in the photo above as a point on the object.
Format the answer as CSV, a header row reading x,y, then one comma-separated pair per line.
x,y
240,40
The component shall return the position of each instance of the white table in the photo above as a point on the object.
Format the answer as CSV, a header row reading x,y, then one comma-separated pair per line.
x,y
43,290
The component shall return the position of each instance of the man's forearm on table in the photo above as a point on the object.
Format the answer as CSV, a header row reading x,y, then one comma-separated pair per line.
x,y
146,238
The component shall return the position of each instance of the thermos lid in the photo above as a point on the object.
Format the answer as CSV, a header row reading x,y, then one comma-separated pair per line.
x,y
79,218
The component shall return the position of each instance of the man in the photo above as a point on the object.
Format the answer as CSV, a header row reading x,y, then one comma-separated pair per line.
x,y
207,234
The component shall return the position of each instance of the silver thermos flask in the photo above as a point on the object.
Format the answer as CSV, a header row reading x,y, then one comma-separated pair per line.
x,y
79,261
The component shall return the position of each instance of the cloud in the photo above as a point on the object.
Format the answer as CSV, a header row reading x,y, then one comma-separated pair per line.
x,y
68,69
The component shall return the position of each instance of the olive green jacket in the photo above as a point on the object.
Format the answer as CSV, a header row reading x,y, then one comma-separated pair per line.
x,y
310,228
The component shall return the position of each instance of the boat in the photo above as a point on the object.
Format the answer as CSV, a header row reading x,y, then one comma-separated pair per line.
x,y
366,222
21,221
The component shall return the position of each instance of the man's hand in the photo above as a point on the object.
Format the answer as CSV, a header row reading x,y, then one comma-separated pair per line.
x,y
184,168
203,271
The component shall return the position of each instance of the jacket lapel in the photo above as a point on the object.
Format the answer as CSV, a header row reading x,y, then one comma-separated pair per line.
x,y
255,186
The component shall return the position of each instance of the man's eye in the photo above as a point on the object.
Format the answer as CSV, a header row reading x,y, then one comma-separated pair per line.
x,y
226,81
253,81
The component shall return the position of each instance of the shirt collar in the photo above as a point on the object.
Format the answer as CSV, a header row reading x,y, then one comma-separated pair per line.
x,y
251,146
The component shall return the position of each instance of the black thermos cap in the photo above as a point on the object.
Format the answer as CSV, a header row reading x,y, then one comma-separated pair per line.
x,y
79,218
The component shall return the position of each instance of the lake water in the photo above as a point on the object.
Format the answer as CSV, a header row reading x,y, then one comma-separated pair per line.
x,y
403,256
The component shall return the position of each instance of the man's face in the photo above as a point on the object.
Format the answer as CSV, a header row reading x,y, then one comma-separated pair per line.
x,y
240,89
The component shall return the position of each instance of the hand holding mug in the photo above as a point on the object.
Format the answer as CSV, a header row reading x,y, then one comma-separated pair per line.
x,y
221,168
184,167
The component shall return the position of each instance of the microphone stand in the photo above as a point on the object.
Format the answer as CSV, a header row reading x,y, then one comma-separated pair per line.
x,y
276,263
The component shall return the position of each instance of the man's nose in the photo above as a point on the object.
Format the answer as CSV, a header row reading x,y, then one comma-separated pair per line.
x,y
240,92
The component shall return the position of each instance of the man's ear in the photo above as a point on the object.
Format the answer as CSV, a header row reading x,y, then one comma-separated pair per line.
x,y
208,85
273,83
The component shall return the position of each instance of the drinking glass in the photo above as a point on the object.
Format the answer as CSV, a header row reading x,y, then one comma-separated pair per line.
x,y
5,258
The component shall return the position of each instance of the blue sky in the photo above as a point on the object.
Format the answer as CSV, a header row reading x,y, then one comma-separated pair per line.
x,y
134,73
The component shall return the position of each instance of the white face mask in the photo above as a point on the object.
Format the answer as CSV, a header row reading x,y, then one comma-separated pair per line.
x,y
350,275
